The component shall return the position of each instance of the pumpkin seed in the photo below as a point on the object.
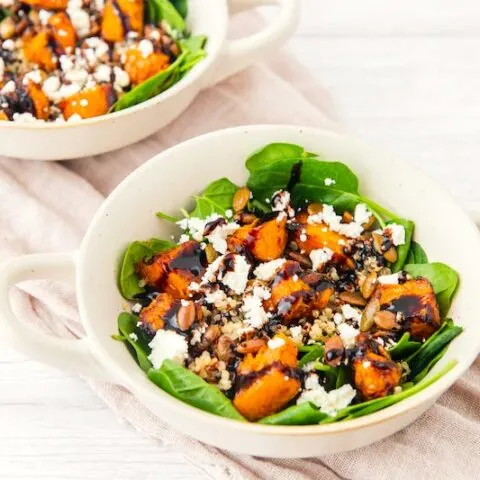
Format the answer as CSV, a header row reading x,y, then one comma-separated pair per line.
x,y
378,242
212,333
353,298
369,223
210,253
301,259
240,199
347,217
244,218
334,350
367,321
385,320
224,348
314,208
391,255
251,346
368,286
186,315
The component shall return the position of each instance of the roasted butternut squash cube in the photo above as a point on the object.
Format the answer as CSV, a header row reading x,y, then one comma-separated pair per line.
x,y
267,381
140,68
39,100
89,103
3,116
36,50
415,300
239,239
318,236
48,4
64,32
375,373
157,314
113,24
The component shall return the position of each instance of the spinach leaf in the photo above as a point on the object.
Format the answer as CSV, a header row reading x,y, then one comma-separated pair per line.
x,y
168,218
135,339
420,376
371,406
404,347
315,353
159,10
194,44
303,414
216,198
181,6
275,151
135,252
330,373
424,357
402,250
183,384
416,254
443,279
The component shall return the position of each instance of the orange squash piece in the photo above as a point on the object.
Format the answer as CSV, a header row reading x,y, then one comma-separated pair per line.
x,y
375,374
160,309
140,68
3,116
39,99
47,4
267,381
37,50
88,103
112,24
319,236
176,283
268,240
63,30
238,240
415,299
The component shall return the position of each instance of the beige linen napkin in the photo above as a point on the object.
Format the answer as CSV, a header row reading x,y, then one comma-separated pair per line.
x,y
48,206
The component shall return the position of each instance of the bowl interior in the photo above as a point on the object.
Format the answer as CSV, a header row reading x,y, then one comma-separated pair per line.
x,y
166,182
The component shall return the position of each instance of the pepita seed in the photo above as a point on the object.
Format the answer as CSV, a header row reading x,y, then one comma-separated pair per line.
x,y
334,350
368,286
347,217
369,224
353,298
314,208
7,28
240,199
186,316
212,333
302,259
244,218
385,320
251,346
210,253
391,255
367,320
378,242
311,278
224,348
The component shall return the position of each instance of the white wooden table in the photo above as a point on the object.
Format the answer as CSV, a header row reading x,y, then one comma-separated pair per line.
x,y
405,75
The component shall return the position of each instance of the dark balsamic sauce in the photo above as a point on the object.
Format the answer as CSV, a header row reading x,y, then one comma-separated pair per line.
x,y
211,226
123,18
295,174
191,258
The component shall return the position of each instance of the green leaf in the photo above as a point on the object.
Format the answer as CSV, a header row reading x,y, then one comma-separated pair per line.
x,y
168,218
416,254
181,6
371,406
404,347
183,384
330,373
275,151
139,349
443,279
315,353
424,357
303,414
402,250
216,198
135,252
194,44
159,10
420,376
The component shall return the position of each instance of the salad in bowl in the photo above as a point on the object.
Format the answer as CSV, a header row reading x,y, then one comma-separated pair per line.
x,y
290,300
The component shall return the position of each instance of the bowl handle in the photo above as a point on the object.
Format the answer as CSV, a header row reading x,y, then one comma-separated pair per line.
x,y
71,355
241,53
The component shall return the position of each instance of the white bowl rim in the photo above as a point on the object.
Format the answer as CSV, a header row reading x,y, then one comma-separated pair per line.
x,y
193,75
417,400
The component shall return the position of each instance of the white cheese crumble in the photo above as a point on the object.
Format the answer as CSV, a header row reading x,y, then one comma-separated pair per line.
x,y
347,334
266,271
133,336
136,308
338,318
25,118
397,233
320,257
328,216
9,87
255,314
328,402
196,226
43,16
362,214
103,73
218,238
228,213
79,17
276,342
351,313
237,280
329,182
388,279
280,200
183,238
145,47
297,334
167,344
8,44
122,79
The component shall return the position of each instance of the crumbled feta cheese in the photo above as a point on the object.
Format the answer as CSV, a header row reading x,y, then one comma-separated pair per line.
x,y
122,79
77,76
237,280
255,314
388,279
328,216
25,118
8,44
351,313
133,336
297,334
146,48
347,334
266,271
74,118
338,318
8,88
183,238
167,344
397,233
362,214
43,16
320,256
154,35
136,308
280,200
218,238
328,402
103,73
66,63
329,182
79,17
215,297
196,226
303,237
276,342
228,213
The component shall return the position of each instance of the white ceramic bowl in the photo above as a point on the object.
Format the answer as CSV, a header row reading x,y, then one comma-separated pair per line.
x,y
50,141
165,182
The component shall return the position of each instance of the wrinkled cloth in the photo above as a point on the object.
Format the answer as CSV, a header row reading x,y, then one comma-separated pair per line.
x,y
46,207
